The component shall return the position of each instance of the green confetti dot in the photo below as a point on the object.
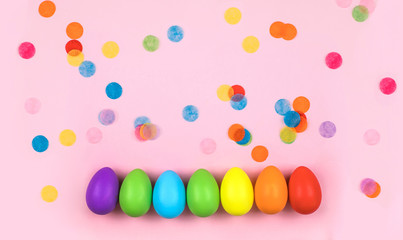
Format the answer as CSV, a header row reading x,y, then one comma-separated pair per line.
x,y
151,43
288,135
360,13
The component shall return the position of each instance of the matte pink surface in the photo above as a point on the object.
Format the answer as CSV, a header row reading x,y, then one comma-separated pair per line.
x,y
161,83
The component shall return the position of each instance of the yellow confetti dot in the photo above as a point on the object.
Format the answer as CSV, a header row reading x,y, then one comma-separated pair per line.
x,y
75,57
232,15
67,137
225,92
49,193
288,135
110,49
250,44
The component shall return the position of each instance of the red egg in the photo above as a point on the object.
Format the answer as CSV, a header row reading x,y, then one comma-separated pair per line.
x,y
304,191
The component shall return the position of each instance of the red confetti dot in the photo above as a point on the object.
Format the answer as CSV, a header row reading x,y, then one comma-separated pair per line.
x,y
387,86
26,50
74,45
333,60
238,90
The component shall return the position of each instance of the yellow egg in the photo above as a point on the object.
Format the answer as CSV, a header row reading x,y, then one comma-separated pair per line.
x,y
236,192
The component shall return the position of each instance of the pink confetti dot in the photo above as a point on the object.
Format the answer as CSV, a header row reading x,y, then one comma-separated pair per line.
x,y
344,3
333,60
94,135
208,146
32,105
387,86
137,133
372,137
369,4
368,186
26,50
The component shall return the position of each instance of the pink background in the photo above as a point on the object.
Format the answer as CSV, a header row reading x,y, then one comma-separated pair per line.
x,y
160,84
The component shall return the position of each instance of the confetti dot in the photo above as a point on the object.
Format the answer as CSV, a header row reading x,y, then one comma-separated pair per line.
x,y
360,13
151,43
75,58
40,143
26,50
208,146
106,117
290,32
301,104
141,120
32,105
333,60
260,153
238,90
277,29
292,119
225,92
327,129
87,69
372,137
344,3
113,90
110,49
232,15
236,132
137,133
175,33
288,135
282,106
247,139
387,86
94,135
190,113
250,44
67,137
369,4
47,9
377,191
370,188
49,193
74,30
303,124
238,102
149,131
73,45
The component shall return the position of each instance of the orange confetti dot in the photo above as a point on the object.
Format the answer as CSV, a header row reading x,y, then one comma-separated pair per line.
x,y
236,132
301,104
377,191
277,29
260,153
290,32
74,30
303,124
47,9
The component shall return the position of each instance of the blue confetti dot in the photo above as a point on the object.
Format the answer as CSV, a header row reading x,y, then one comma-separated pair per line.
x,y
113,90
40,143
175,33
190,113
87,68
141,120
292,119
282,106
246,139
238,102
106,117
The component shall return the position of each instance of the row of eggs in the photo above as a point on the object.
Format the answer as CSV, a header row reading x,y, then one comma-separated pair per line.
x,y
203,195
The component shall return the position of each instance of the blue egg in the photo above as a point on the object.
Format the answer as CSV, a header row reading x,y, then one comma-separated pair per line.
x,y
282,106
292,119
169,197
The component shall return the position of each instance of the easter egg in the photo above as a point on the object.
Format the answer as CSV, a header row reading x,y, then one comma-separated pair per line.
x,y
271,191
102,191
169,196
202,194
304,191
135,193
236,192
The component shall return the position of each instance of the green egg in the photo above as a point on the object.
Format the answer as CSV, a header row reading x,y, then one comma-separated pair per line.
x,y
135,193
203,196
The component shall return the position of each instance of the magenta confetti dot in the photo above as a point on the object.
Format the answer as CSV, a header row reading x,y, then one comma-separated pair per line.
x,y
32,105
387,86
372,137
327,129
137,133
333,60
368,186
106,117
208,146
94,135
26,50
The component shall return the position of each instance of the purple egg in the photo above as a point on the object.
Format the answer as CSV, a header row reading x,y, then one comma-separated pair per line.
x,y
102,191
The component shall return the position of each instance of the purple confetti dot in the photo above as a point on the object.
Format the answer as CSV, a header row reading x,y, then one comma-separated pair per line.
x,y
368,186
327,129
106,117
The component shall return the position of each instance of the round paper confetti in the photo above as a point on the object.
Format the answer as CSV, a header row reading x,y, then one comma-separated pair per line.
x,y
113,90
360,13
225,92
75,58
190,113
49,193
247,139
260,153
40,143
301,104
372,137
344,3
110,49
149,131
151,43
333,60
74,30
327,129
106,117
369,4
32,105
238,102
277,29
137,133
290,32
303,124
94,135
232,15
47,9
87,69
141,120
73,45
236,132
282,106
67,137
250,44
387,86
208,146
370,188
175,33
26,50
237,89
292,119
288,135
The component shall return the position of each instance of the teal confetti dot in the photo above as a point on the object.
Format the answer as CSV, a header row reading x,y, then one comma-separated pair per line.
x,y
175,33
114,90
40,143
